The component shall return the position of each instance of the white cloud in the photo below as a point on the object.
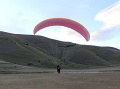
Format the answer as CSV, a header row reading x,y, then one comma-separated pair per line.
x,y
108,34
102,37
111,19
117,45
15,24
65,34
110,16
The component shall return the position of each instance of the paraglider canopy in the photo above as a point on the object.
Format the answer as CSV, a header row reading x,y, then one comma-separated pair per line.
x,y
63,22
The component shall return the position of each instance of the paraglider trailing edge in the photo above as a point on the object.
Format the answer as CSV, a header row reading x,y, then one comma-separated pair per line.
x,y
63,22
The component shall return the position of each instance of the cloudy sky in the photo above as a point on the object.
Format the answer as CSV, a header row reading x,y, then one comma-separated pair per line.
x,y
100,17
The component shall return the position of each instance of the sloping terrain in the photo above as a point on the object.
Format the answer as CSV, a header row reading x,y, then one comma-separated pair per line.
x,y
39,51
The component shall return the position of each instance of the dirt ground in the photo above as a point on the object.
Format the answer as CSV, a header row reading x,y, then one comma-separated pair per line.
x,y
61,81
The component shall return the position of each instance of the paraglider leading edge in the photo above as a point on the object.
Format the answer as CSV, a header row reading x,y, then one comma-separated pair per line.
x,y
63,22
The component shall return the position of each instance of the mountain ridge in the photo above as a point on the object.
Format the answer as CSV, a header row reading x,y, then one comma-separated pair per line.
x,y
39,51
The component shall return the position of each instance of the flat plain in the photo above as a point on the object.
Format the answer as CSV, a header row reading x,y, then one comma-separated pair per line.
x,y
68,79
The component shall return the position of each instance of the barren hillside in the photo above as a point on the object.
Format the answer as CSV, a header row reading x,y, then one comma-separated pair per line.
x,y
40,51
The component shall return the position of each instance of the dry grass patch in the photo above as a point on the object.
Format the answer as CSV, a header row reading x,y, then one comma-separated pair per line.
x,y
60,81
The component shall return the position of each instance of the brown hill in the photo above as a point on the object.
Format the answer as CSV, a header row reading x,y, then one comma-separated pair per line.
x,y
40,51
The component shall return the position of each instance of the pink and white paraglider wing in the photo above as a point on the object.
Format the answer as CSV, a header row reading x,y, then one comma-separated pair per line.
x,y
63,22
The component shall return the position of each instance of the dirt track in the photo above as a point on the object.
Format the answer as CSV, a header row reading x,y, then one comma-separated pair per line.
x,y
61,81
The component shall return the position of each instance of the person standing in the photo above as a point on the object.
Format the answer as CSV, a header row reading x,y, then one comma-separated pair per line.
x,y
58,69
